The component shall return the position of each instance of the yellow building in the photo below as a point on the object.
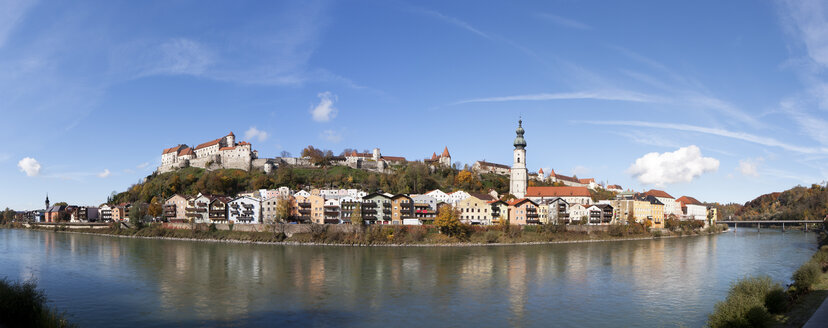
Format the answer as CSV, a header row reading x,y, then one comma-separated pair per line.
x,y
500,211
476,209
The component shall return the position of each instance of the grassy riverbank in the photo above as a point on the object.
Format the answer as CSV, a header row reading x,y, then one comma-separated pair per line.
x,y
759,302
397,235
23,305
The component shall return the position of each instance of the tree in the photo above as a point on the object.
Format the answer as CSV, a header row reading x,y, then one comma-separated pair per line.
x,y
507,197
61,204
463,178
448,221
155,209
285,153
137,213
282,210
356,216
8,215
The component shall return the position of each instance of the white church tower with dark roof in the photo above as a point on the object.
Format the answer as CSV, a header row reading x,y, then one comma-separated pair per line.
x,y
519,175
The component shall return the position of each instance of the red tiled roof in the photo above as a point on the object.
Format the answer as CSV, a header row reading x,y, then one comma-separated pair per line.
x,y
243,143
687,200
566,178
540,171
394,158
557,192
516,202
485,197
208,144
586,181
445,152
172,149
658,193
484,163
614,187
227,148
185,151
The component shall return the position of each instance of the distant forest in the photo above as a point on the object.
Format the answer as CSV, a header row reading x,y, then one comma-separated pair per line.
x,y
797,203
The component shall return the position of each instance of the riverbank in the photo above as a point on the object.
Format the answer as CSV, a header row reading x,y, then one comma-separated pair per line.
x,y
759,302
23,305
393,236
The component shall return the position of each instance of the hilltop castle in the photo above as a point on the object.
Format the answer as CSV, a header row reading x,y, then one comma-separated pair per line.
x,y
222,153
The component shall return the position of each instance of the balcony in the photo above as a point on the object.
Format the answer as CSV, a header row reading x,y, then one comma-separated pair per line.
x,y
405,205
304,211
369,217
386,211
532,215
331,221
532,221
369,204
369,211
305,204
192,215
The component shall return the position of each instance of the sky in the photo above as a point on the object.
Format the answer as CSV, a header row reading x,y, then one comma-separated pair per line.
x,y
719,100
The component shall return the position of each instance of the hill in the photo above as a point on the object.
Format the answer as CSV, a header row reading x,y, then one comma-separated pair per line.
x,y
410,178
797,203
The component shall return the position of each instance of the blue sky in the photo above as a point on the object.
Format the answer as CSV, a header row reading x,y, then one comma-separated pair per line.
x,y
723,101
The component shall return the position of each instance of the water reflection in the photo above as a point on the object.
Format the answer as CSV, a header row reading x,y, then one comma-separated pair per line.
x,y
156,282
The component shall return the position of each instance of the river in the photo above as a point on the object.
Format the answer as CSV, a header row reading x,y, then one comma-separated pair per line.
x,y
103,281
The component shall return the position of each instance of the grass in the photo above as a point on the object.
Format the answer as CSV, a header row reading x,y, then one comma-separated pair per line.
x,y
23,305
809,290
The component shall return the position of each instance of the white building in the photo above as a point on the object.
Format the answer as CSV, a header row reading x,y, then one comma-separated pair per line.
x,y
578,212
457,196
245,210
440,196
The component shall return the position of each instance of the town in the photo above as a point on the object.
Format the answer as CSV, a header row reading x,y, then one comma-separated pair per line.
x,y
567,201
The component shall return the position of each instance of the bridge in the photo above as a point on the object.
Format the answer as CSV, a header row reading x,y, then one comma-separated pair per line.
x,y
759,223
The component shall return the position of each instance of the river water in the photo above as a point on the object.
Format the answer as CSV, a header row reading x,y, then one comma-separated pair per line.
x,y
105,281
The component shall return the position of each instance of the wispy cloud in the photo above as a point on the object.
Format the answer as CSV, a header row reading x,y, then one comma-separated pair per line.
x,y
748,167
453,21
142,165
331,135
104,174
619,95
12,15
565,22
765,141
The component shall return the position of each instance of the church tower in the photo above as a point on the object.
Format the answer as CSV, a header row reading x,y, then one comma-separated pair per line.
x,y
519,179
47,202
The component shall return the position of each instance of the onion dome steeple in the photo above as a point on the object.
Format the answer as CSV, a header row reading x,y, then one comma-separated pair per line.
x,y
520,143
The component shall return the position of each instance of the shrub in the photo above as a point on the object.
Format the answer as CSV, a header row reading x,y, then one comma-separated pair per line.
x,y
776,301
212,227
657,233
745,304
492,236
23,305
416,234
616,230
806,276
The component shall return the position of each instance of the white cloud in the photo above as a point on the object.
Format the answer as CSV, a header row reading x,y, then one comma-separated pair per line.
x,y
104,174
331,135
30,166
748,168
619,95
565,22
11,15
142,165
254,133
682,165
324,111
765,141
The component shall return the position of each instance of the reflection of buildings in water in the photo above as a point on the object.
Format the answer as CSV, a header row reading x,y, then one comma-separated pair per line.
x,y
477,272
516,277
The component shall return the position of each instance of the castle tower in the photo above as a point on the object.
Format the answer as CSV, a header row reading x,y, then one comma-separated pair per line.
x,y
519,175
445,158
230,139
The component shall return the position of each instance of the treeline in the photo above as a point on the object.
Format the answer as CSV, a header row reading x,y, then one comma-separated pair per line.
x,y
409,178
798,203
